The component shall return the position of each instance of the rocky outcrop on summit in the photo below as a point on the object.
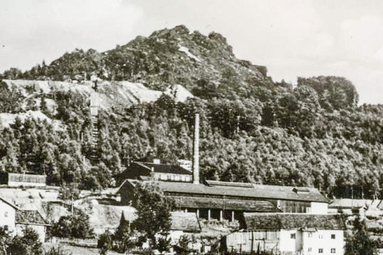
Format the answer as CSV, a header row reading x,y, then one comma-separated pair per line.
x,y
204,65
198,62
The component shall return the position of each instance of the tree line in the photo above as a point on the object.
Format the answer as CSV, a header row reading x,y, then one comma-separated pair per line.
x,y
312,134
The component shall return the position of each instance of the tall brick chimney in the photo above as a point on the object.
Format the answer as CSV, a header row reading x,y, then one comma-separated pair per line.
x,y
196,151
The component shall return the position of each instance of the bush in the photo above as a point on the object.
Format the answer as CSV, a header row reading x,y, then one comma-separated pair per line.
x,y
28,244
73,226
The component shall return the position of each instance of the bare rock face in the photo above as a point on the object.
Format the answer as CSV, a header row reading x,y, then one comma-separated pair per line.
x,y
108,94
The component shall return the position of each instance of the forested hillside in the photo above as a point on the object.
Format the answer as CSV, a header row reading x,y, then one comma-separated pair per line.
x,y
252,129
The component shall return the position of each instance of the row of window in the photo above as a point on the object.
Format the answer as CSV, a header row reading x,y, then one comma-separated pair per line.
x,y
27,178
320,250
172,177
310,235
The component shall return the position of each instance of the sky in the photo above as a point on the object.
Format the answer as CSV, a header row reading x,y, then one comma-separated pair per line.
x,y
293,38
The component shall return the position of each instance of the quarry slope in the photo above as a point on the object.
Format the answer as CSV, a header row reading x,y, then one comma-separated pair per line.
x,y
104,95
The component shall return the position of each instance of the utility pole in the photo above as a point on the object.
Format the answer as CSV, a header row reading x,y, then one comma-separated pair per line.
x,y
238,117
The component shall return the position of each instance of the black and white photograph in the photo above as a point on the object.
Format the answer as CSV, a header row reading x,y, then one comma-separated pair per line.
x,y
166,127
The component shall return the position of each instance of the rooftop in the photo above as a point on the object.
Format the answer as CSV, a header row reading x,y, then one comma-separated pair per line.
x,y
30,217
350,203
9,203
264,221
229,184
256,192
164,168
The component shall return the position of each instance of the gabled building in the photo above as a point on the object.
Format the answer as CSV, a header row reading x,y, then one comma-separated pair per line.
x,y
289,234
154,170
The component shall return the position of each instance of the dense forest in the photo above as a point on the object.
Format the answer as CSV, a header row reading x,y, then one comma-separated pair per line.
x,y
252,128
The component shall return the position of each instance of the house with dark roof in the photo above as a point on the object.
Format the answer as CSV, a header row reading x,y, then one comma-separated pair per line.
x,y
228,201
288,234
155,170
31,219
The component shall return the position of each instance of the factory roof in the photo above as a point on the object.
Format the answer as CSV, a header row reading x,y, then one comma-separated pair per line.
x,y
305,222
260,192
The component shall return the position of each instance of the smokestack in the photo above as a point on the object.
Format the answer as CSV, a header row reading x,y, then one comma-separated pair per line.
x,y
196,151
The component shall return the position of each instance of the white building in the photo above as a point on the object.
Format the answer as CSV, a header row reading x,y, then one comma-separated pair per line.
x,y
289,234
7,215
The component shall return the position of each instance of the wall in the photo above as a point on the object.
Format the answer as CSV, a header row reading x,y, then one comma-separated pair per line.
x,y
293,206
16,180
25,184
321,239
288,244
282,241
246,241
7,216
172,177
319,208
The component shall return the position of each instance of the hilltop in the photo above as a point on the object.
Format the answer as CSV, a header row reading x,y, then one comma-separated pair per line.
x,y
204,65
252,128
